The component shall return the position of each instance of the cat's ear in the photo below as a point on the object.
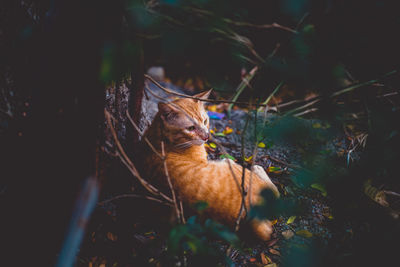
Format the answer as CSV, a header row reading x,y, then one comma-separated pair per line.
x,y
203,95
166,110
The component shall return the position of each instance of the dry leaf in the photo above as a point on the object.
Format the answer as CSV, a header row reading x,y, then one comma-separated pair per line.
x,y
274,221
111,236
287,234
274,251
252,259
271,242
271,265
265,259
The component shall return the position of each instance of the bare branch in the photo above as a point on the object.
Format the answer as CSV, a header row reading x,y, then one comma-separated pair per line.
x,y
141,135
128,163
169,182
102,203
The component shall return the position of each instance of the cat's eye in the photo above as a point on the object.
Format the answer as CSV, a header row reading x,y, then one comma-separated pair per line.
x,y
191,128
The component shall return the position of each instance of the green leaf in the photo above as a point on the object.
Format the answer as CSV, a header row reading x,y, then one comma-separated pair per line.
x,y
226,156
220,134
291,219
321,188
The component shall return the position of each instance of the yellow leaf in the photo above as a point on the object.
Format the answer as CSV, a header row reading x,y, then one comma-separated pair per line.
x,y
304,233
274,221
271,265
212,145
212,131
248,159
316,125
321,188
273,169
261,145
227,130
212,108
291,219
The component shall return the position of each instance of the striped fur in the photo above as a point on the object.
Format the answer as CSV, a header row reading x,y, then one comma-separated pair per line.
x,y
183,126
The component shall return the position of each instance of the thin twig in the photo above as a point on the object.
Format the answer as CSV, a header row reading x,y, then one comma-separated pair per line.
x,y
245,82
181,211
169,182
305,112
391,193
141,135
101,203
188,96
125,159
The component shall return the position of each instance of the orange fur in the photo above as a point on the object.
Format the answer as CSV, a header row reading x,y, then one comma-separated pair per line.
x,y
195,178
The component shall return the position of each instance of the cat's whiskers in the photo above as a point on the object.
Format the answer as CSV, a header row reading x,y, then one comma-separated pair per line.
x,y
184,145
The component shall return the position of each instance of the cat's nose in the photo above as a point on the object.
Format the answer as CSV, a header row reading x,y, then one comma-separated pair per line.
x,y
205,137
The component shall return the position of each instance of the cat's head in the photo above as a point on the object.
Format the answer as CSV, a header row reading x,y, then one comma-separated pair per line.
x,y
185,122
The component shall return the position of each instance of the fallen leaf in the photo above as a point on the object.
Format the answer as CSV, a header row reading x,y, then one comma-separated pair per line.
x,y
271,265
304,233
212,108
274,251
321,188
208,148
252,259
274,221
271,242
248,159
212,145
219,134
227,130
111,236
316,125
265,259
227,156
287,234
261,145
212,131
291,219
274,169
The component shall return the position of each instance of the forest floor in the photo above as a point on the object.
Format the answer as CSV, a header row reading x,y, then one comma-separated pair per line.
x,y
278,160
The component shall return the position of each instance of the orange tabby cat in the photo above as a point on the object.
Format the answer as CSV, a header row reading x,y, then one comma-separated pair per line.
x,y
183,126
